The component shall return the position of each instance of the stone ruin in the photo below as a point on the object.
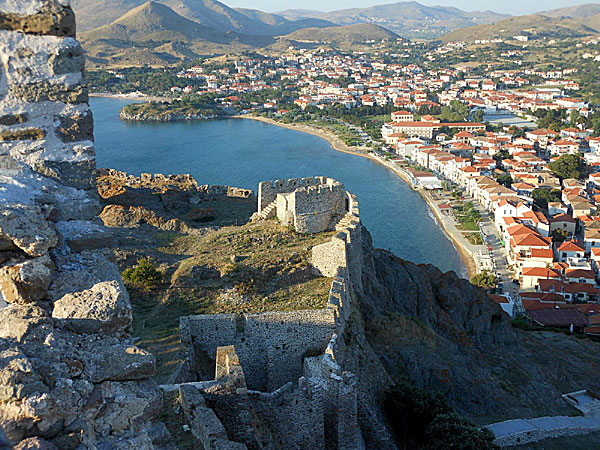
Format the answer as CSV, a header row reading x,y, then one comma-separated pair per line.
x,y
279,378
70,375
310,205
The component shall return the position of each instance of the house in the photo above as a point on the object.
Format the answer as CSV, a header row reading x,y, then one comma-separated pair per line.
x,y
559,318
402,116
582,292
563,222
570,249
531,276
591,239
563,147
523,189
580,276
541,136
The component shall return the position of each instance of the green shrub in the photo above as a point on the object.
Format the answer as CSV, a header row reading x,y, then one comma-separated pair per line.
x,y
144,276
421,421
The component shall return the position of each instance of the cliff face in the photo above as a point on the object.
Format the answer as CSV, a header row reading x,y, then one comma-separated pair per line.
x,y
69,372
445,335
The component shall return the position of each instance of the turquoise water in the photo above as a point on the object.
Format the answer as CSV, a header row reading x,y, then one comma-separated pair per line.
x,y
241,153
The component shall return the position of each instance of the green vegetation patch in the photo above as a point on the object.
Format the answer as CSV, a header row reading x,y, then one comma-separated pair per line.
x,y
187,106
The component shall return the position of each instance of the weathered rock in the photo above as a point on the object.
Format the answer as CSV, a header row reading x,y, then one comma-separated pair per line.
x,y
68,60
103,308
78,127
134,216
19,321
35,443
69,376
127,405
159,435
83,235
19,184
14,119
80,271
46,91
22,134
27,228
25,280
52,18
77,174
119,362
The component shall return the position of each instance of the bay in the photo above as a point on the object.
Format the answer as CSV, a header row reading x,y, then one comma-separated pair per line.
x,y
242,153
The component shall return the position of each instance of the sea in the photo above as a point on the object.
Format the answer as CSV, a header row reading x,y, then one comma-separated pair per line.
x,y
239,152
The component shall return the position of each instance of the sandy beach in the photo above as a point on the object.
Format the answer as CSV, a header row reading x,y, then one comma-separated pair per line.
x,y
339,146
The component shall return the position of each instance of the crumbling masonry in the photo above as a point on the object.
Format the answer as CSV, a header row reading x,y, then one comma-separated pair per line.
x,y
290,361
310,205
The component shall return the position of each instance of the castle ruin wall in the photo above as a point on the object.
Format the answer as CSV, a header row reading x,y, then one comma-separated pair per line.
x,y
278,348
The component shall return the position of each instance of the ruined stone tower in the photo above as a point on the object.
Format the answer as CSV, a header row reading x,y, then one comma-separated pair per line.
x,y
69,373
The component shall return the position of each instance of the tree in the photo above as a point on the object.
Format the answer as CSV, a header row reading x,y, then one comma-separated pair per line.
x,y
505,179
144,276
478,115
568,166
516,132
450,431
485,280
542,197
422,421
560,235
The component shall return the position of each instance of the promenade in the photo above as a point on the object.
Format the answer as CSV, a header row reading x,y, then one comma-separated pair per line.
x,y
524,431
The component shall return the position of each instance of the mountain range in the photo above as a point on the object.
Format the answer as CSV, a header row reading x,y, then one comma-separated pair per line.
x,y
409,19
131,32
154,34
572,22
96,13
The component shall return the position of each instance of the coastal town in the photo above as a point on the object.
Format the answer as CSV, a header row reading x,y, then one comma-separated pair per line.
x,y
515,147
235,228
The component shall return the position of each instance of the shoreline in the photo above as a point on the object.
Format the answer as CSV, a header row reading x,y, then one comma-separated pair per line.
x,y
142,98
466,256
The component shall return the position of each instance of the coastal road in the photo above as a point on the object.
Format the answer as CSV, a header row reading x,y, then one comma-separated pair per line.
x,y
498,254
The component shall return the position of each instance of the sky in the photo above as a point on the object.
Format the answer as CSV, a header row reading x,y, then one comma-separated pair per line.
x,y
514,7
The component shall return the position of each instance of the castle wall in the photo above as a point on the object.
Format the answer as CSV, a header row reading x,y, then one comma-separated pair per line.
x,y
294,414
278,348
268,190
181,181
318,208
271,346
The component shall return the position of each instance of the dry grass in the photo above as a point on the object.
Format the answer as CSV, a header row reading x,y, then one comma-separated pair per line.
x,y
256,267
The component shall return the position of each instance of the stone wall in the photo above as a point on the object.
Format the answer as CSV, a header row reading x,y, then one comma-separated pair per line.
x,y
268,190
180,181
294,413
275,349
69,372
204,422
271,346
311,205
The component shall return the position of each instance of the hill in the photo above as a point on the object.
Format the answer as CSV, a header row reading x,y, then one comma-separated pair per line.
x,y
587,10
154,34
96,13
343,35
405,18
534,26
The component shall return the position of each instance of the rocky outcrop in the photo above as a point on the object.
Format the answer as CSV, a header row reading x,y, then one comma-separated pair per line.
x,y
164,116
70,376
446,336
